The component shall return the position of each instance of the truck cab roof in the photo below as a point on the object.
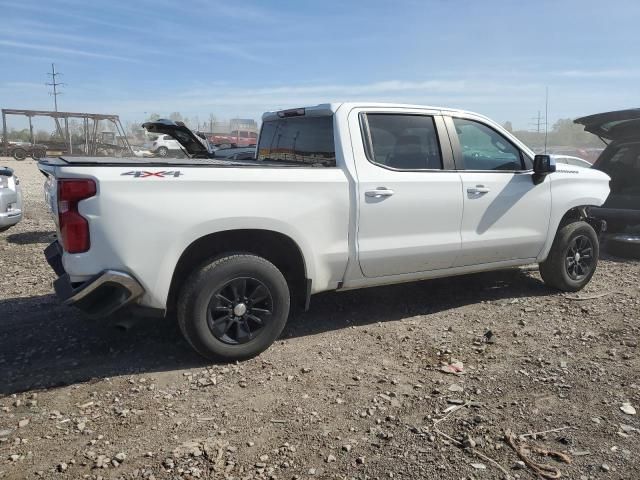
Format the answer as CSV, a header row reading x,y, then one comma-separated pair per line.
x,y
331,108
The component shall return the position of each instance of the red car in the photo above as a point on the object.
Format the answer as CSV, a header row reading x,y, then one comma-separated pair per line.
x,y
237,138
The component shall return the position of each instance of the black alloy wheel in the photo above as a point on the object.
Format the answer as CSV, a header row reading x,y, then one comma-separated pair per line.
x,y
240,310
579,257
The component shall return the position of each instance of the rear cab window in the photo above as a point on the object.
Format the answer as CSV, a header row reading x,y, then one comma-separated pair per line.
x,y
298,140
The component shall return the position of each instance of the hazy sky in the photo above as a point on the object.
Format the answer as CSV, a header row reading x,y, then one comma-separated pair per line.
x,y
239,58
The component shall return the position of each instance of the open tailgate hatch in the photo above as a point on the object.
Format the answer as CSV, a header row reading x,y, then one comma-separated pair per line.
x,y
621,124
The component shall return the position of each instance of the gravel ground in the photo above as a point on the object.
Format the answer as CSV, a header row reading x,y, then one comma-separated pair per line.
x,y
352,390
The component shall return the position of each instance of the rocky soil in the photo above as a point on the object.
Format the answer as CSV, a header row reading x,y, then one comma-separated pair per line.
x,y
355,388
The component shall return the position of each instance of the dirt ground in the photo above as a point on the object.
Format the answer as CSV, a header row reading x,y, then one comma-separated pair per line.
x,y
353,389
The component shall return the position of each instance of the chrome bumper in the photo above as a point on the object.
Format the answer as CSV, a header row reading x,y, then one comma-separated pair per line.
x,y
101,295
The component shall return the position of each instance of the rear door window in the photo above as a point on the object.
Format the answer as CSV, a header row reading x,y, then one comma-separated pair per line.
x,y
403,142
302,140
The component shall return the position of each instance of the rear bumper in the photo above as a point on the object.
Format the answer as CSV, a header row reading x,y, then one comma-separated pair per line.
x,y
101,295
10,207
7,219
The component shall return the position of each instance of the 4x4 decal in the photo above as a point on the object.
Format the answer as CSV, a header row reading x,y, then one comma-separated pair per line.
x,y
145,174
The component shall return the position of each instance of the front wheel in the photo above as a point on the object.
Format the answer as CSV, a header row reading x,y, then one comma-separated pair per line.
x,y
573,258
19,154
233,308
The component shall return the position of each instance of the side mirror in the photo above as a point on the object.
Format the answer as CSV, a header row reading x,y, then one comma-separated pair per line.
x,y
543,165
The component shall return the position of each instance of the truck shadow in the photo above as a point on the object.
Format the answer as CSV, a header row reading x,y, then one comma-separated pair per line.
x,y
25,238
332,311
44,344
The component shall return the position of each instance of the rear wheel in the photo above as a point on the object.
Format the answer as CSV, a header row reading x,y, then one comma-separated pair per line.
x,y
163,152
19,154
234,307
573,258
38,154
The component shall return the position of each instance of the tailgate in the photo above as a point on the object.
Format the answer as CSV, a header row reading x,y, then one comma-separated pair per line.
x,y
50,190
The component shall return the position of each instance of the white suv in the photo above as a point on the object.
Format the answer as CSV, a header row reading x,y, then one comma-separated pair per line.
x,y
164,146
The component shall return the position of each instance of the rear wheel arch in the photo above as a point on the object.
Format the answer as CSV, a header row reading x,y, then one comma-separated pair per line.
x,y
276,247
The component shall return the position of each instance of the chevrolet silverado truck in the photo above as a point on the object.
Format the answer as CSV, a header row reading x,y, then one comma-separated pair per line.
x,y
339,196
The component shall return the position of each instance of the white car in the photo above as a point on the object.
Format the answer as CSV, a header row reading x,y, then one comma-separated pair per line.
x,y
10,199
340,196
569,160
164,146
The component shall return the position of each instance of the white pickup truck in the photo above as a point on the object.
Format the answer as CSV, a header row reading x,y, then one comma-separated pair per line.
x,y
339,196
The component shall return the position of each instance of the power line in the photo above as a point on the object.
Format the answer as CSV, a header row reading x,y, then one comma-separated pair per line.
x,y
55,85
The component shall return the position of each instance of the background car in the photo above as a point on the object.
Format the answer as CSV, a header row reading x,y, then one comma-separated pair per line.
x,y
621,161
570,160
237,153
10,199
164,146
236,138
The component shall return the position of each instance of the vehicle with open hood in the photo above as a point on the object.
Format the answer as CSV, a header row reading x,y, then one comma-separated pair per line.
x,y
621,161
337,196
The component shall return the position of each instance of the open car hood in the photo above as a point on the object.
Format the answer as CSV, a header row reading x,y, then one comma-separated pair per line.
x,y
194,145
621,124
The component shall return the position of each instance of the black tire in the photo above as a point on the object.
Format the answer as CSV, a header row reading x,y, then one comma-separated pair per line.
x,y
216,325
624,245
38,154
569,267
19,154
163,152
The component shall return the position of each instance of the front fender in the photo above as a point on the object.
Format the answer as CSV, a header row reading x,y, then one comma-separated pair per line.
x,y
573,187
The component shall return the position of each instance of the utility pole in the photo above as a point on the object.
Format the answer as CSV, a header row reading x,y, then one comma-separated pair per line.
x,y
546,116
537,121
55,85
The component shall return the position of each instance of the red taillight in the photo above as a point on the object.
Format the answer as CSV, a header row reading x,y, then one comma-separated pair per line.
x,y
74,228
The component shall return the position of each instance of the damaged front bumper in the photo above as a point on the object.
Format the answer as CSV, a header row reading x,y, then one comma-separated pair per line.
x,y
101,295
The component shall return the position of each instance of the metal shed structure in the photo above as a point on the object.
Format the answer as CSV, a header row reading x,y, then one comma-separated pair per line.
x,y
93,144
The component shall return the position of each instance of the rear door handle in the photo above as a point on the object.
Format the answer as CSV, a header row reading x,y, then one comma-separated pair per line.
x,y
478,189
379,192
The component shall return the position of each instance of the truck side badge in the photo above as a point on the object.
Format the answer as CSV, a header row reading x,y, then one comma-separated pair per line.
x,y
145,174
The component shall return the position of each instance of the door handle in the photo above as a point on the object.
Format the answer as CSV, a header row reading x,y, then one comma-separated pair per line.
x,y
379,192
478,189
